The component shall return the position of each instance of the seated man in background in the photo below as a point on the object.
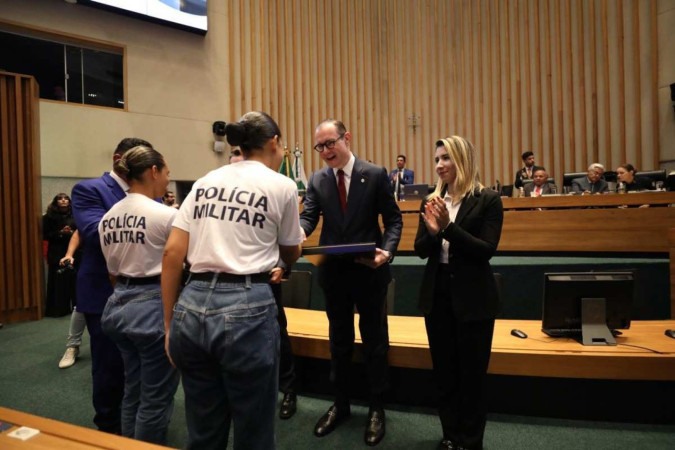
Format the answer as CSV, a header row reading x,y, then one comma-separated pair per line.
x,y
593,182
527,172
539,185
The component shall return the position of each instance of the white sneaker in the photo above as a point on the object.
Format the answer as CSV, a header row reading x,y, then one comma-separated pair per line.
x,y
69,357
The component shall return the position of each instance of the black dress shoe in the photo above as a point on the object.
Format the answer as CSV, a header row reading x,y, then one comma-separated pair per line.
x,y
288,405
447,444
375,427
333,417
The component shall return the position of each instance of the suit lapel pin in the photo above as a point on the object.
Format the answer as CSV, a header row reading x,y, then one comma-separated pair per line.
x,y
363,180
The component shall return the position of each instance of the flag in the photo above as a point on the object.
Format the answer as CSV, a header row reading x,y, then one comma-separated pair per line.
x,y
286,168
299,170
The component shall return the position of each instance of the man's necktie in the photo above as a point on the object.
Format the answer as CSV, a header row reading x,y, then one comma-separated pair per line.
x,y
538,191
342,190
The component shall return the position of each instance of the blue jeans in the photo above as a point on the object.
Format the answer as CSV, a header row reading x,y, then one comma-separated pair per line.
x,y
133,319
224,339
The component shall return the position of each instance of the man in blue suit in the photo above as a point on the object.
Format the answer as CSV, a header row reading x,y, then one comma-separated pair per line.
x,y
91,199
352,194
400,176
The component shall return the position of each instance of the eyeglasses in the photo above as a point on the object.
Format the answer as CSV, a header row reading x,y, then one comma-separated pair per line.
x,y
329,144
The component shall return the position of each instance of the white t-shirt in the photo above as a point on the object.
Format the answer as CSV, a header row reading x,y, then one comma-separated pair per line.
x,y
133,235
237,217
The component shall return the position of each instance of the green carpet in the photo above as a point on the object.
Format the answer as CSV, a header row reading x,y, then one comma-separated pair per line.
x,y
31,381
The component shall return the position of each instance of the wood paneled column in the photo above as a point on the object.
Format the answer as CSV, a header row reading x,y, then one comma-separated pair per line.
x,y
21,267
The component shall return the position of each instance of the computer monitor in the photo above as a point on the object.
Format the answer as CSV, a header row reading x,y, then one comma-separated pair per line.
x,y
415,191
653,177
587,306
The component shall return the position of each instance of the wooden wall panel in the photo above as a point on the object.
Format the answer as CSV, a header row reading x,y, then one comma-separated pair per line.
x,y
572,80
21,269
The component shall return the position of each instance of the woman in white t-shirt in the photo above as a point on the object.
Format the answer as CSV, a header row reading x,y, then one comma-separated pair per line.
x,y
222,334
133,234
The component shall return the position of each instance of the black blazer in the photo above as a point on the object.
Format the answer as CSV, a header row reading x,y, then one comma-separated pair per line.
x,y
369,197
473,238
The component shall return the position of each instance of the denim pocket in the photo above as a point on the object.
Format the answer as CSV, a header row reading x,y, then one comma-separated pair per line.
x,y
108,316
143,318
252,339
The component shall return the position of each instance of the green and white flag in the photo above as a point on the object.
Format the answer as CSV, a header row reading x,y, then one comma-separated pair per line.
x,y
286,167
299,170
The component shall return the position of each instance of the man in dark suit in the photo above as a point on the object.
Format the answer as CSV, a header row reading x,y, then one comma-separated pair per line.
x,y
400,176
527,172
540,185
91,199
352,194
593,182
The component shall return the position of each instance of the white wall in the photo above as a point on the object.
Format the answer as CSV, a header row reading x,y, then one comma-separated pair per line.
x,y
176,88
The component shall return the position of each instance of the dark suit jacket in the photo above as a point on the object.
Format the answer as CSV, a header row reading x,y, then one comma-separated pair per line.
x,y
52,224
91,200
545,189
473,238
408,176
522,174
582,184
369,197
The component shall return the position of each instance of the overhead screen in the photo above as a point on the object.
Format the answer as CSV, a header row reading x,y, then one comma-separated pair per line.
x,y
186,14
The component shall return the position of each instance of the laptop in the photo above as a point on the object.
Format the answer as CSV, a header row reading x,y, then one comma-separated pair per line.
x,y
415,191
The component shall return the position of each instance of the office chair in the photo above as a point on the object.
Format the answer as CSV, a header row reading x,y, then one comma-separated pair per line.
x,y
568,177
296,292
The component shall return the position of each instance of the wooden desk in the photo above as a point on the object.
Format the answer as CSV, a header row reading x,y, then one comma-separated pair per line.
x,y
63,436
574,230
654,198
538,356
578,223
606,229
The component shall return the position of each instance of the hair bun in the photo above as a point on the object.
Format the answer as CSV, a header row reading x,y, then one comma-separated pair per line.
x,y
236,133
121,166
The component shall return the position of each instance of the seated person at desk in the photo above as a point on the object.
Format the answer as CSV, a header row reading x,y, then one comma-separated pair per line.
x,y
593,182
540,185
625,174
527,172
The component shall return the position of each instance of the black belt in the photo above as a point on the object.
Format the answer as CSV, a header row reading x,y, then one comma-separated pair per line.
x,y
140,280
230,277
